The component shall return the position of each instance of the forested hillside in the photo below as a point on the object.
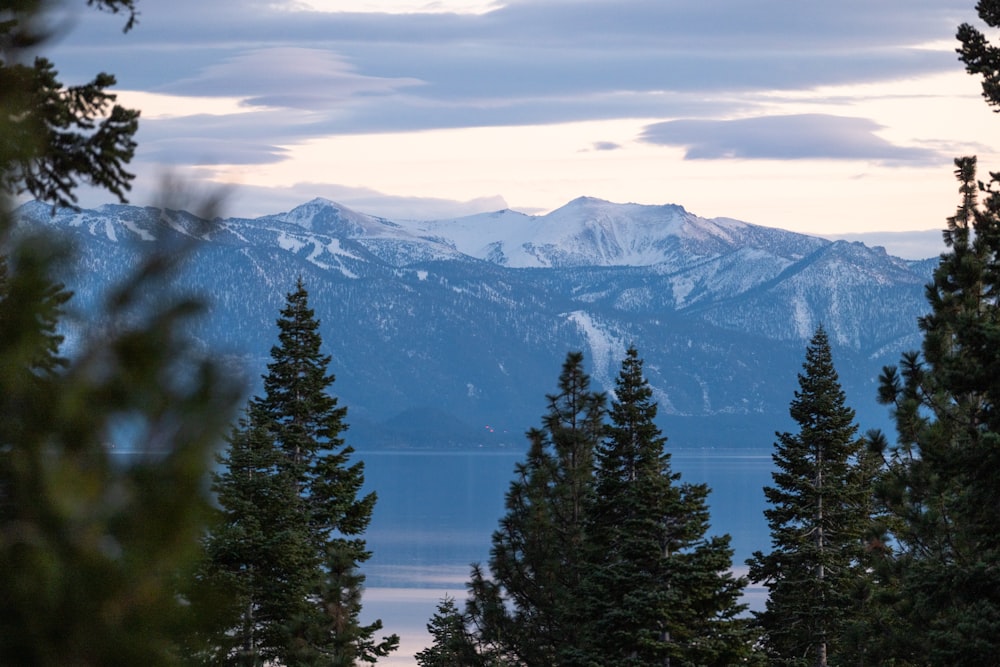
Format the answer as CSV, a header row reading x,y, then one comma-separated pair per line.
x,y
720,308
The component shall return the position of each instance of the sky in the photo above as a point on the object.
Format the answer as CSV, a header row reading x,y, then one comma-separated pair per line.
x,y
824,118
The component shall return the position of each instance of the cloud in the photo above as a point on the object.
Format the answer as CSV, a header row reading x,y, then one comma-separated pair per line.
x,y
303,74
525,62
528,62
404,208
258,200
286,77
803,136
908,245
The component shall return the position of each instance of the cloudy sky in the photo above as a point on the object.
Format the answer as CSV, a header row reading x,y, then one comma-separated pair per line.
x,y
828,118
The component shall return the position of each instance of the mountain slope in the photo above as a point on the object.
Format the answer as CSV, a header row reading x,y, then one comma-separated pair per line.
x,y
451,332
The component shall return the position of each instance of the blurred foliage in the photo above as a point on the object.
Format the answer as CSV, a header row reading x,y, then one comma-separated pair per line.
x,y
104,454
54,137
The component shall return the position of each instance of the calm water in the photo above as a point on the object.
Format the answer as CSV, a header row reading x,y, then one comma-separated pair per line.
x,y
437,510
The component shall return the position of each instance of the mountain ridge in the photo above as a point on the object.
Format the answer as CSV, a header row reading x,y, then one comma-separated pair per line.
x,y
469,318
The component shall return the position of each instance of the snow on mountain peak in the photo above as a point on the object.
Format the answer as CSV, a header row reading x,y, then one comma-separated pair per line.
x,y
323,216
591,232
584,232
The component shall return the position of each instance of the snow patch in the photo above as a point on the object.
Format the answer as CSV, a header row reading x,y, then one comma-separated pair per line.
x,y
290,243
682,286
803,317
706,399
334,248
314,254
663,402
604,347
138,231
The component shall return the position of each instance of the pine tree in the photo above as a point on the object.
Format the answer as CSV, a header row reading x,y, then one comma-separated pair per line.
x,y
32,306
93,545
290,500
817,524
452,645
659,591
943,485
57,136
530,611
256,555
980,57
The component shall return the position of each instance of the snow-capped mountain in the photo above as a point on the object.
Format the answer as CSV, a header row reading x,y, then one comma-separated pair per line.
x,y
452,331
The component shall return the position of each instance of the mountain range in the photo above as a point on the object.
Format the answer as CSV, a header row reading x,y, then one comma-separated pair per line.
x,y
450,333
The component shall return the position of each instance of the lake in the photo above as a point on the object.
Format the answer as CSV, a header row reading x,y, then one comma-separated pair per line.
x,y
437,510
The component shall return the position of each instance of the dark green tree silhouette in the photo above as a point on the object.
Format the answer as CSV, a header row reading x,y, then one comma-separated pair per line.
x,y
103,453
291,505
658,589
943,484
255,554
982,58
94,544
452,644
31,307
818,522
530,610
56,137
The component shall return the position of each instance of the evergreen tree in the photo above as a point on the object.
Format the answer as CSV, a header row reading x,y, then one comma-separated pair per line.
x,y
869,629
93,544
292,516
54,136
660,591
530,611
452,645
33,305
817,524
982,58
942,484
256,554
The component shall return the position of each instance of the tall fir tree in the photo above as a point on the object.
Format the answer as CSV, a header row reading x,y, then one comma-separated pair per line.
x,y
943,484
529,611
299,579
659,591
256,554
982,58
818,521
452,644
